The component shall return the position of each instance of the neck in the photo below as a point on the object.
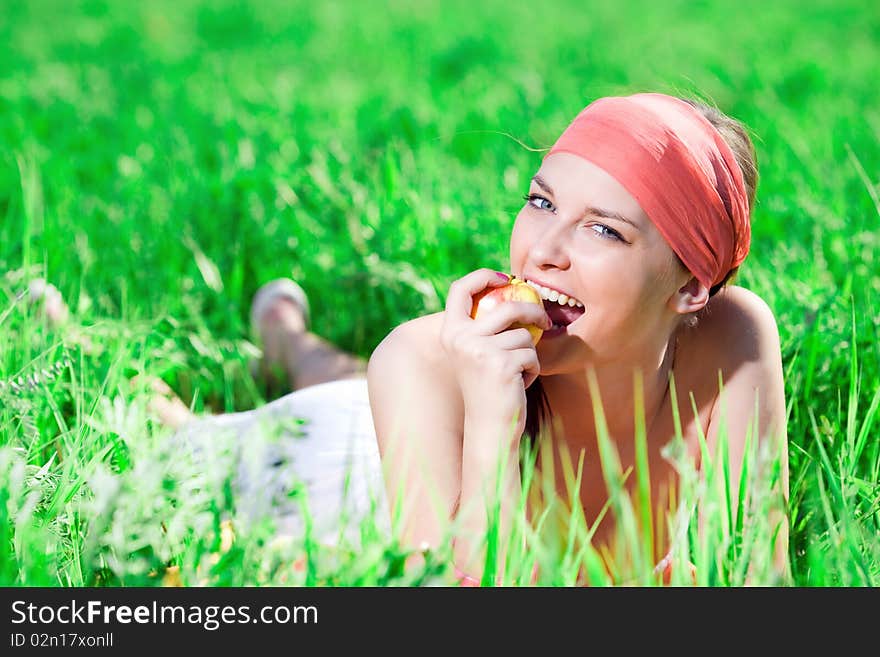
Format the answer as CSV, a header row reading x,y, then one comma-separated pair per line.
x,y
572,398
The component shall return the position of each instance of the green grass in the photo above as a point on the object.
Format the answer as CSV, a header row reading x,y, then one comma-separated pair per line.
x,y
160,160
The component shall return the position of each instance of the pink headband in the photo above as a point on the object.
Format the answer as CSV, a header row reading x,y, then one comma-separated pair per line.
x,y
679,169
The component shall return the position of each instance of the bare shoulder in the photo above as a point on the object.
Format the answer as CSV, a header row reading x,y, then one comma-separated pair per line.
x,y
735,303
415,342
740,332
739,325
420,335
410,382
735,339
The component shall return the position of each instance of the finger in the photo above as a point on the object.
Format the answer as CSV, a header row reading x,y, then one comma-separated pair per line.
x,y
495,349
529,379
505,314
460,299
527,362
511,339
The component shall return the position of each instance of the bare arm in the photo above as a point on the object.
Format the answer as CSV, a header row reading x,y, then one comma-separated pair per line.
x,y
448,399
422,434
417,413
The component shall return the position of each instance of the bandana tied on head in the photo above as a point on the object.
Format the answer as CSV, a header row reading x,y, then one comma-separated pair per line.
x,y
680,170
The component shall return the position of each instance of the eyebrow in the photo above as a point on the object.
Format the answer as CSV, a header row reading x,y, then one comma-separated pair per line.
x,y
597,212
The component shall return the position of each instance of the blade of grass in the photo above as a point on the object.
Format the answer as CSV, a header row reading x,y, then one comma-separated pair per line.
x,y
643,477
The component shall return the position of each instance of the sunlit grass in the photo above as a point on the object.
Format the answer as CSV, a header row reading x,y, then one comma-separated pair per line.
x,y
159,161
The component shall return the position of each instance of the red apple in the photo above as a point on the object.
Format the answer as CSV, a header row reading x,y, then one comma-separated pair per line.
x,y
516,290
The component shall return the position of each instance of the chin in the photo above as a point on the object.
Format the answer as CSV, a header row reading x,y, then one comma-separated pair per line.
x,y
564,359
557,371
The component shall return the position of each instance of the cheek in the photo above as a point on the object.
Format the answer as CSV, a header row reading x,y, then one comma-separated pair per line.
x,y
624,294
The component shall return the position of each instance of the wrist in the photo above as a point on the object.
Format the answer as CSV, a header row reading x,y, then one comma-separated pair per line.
x,y
486,437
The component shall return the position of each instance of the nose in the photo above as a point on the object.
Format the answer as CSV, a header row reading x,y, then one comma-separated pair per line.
x,y
549,250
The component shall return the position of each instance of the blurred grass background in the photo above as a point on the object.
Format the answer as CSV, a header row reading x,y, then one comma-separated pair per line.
x,y
160,160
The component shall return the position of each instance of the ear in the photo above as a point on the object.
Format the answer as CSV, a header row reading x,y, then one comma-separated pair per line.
x,y
690,297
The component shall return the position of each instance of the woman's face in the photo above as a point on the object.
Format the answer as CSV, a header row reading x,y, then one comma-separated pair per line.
x,y
582,234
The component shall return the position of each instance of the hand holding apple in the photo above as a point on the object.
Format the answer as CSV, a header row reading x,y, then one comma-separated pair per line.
x,y
516,290
492,363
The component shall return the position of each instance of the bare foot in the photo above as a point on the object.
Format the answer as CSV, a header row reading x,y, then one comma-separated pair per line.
x,y
50,306
49,302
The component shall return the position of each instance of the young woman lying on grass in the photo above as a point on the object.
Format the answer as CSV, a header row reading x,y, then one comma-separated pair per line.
x,y
640,213
633,225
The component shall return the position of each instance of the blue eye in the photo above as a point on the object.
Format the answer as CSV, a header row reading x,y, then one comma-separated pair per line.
x,y
529,198
537,201
606,232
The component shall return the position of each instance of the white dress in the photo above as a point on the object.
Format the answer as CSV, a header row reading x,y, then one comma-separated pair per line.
x,y
331,456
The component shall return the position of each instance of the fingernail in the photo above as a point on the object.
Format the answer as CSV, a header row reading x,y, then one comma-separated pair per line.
x,y
504,276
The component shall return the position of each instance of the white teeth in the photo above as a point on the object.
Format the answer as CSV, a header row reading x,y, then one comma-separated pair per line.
x,y
555,295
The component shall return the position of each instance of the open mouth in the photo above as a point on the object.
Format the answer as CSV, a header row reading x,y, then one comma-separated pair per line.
x,y
562,308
